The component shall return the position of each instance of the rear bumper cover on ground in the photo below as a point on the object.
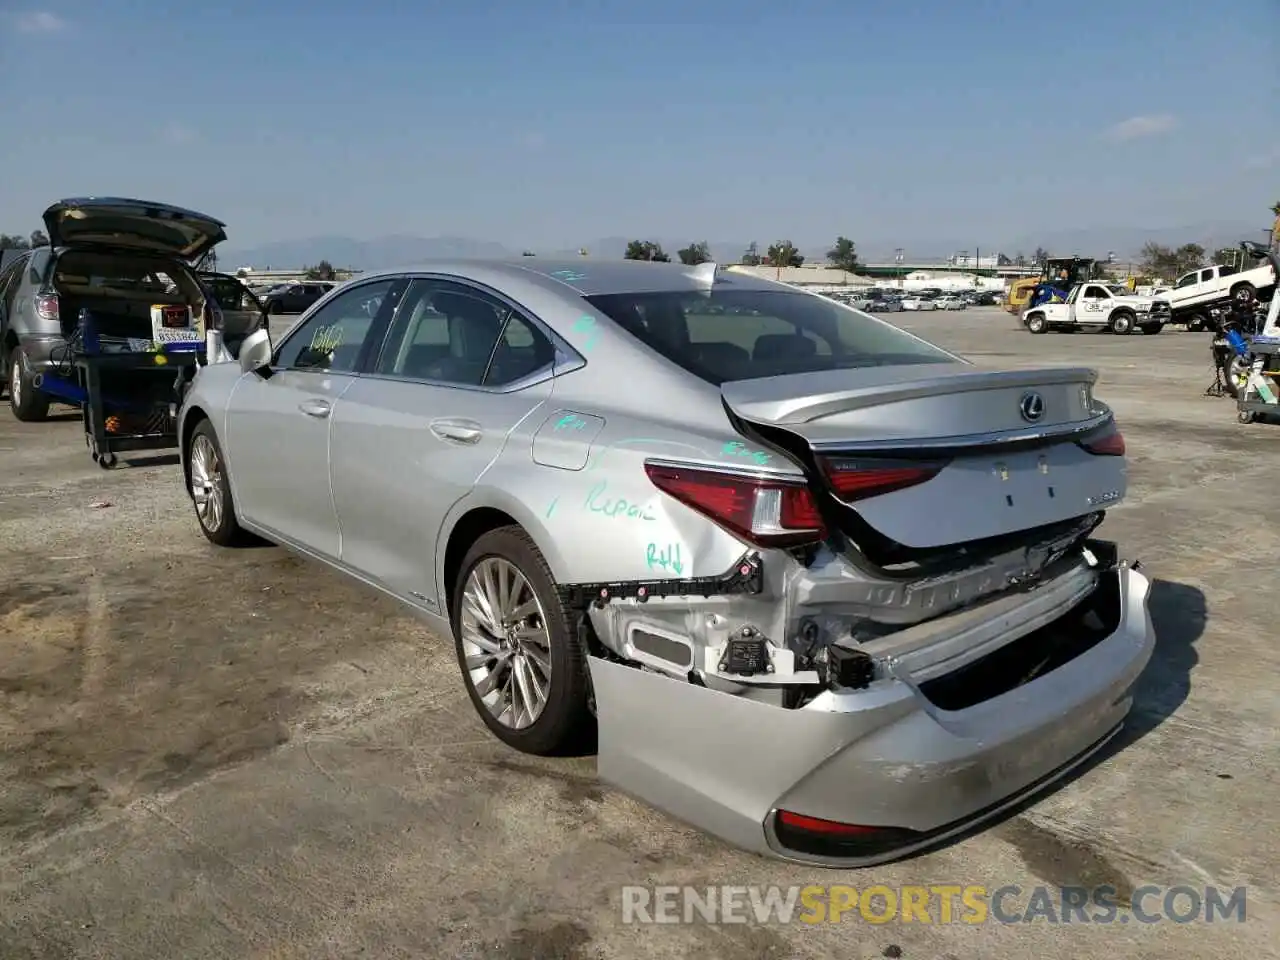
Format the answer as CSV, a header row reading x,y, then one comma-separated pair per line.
x,y
882,757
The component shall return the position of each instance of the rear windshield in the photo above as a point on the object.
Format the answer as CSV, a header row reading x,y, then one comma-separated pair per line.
x,y
742,334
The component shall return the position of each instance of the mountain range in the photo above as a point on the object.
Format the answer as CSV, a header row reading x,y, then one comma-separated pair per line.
x,y
400,249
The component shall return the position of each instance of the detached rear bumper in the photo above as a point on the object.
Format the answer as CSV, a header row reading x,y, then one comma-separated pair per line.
x,y
868,775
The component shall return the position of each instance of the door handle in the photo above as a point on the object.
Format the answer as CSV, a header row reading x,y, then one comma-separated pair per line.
x,y
459,431
315,408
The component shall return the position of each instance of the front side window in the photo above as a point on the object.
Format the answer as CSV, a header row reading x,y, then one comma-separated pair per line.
x,y
1186,281
451,333
333,338
732,334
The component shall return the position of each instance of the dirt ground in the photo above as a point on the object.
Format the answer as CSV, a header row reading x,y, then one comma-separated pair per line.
x,y
210,753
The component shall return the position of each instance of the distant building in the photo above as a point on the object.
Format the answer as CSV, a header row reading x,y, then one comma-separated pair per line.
x,y
805,276
979,262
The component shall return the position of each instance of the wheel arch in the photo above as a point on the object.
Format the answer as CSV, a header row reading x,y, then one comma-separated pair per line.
x,y
192,418
472,517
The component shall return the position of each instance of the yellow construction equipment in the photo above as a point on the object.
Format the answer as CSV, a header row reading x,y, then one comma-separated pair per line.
x,y
1057,276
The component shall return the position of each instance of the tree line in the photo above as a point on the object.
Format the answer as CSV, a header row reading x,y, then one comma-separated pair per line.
x,y
15,241
843,255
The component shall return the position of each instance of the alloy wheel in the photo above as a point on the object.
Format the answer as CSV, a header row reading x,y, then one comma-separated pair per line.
x,y
505,642
206,482
15,382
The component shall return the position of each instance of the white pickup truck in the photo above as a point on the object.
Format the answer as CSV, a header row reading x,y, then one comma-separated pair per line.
x,y
1099,305
1193,292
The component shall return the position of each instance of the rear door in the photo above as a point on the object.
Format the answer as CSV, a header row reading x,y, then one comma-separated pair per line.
x,y
460,370
277,430
10,278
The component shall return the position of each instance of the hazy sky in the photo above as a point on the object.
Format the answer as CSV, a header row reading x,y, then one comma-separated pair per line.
x,y
546,124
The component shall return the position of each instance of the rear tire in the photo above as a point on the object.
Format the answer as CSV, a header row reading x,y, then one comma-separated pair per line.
x,y
1243,292
1150,329
505,655
27,403
275,308
1037,323
1197,321
1122,322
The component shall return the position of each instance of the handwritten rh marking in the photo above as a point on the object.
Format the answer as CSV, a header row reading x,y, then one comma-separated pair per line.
x,y
668,556
614,508
551,507
570,422
569,276
735,449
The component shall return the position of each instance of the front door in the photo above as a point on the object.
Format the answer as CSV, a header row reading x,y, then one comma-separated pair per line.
x,y
277,433
461,368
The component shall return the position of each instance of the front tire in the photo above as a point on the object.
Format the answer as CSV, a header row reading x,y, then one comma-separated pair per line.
x,y
523,665
1150,329
1036,323
210,489
1122,322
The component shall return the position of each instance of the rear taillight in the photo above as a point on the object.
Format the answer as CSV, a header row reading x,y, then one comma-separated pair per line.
x,y
767,513
1109,443
854,479
47,306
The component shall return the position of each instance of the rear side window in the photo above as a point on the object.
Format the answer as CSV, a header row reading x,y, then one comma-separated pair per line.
x,y
742,334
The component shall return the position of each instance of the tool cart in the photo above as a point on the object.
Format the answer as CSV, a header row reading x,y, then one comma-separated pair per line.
x,y
1261,392
132,399
128,391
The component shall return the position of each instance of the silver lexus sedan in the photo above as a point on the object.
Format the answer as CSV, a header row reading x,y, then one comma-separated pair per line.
x,y
822,588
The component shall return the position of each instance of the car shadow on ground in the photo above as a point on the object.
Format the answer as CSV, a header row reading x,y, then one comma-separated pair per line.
x,y
153,460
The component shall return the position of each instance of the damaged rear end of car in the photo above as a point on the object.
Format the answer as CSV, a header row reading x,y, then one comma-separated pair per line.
x,y
924,628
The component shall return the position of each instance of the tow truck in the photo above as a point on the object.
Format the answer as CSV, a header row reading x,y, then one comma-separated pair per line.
x,y
1099,305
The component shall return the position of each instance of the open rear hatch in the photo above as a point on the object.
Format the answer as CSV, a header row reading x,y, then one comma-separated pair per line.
x,y
143,225
909,459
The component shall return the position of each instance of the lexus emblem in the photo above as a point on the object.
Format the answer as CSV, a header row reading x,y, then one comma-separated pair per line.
x,y
1031,406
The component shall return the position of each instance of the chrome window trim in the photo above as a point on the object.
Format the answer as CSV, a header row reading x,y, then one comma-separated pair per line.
x,y
566,358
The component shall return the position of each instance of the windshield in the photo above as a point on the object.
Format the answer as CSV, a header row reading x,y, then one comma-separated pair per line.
x,y
740,335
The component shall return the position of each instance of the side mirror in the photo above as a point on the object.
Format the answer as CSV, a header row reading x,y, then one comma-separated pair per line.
x,y
255,352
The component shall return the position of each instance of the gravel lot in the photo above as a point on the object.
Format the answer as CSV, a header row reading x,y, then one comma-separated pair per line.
x,y
236,754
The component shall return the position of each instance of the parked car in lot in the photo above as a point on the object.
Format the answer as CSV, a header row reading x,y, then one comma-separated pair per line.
x,y
116,257
949,303
918,302
294,297
748,564
889,303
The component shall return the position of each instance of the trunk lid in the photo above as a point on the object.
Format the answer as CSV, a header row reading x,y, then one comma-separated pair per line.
x,y
979,454
119,222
